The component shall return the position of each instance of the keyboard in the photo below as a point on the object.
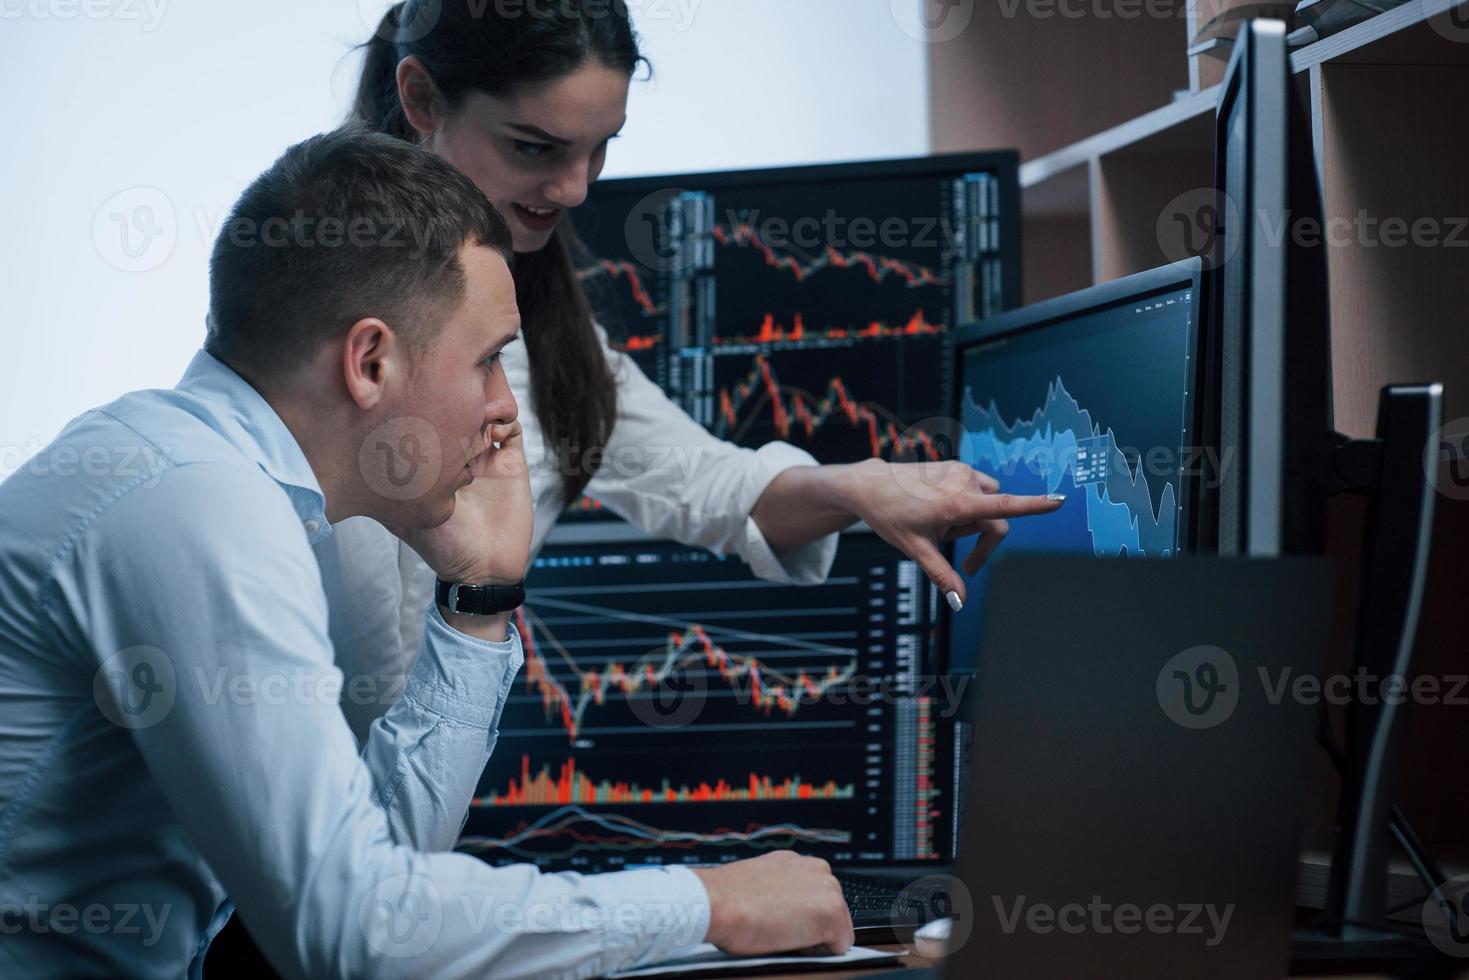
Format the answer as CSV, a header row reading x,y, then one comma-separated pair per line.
x,y
885,906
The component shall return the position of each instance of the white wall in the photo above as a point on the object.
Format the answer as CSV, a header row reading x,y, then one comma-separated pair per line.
x,y
156,113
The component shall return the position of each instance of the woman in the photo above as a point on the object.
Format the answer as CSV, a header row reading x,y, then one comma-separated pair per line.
x,y
525,100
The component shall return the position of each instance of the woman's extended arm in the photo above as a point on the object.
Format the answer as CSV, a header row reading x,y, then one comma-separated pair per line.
x,y
915,507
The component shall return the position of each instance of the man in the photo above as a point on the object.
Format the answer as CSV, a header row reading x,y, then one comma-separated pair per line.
x,y
169,724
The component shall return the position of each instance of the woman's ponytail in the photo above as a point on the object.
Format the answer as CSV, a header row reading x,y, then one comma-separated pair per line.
x,y
377,106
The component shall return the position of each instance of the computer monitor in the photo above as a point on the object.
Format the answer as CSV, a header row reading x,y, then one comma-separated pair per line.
x,y
813,305
1273,381
1272,364
673,709
1093,395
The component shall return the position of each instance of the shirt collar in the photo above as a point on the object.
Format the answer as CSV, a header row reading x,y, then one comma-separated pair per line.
x,y
244,418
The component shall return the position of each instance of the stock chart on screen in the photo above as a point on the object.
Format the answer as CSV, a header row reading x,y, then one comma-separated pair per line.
x,y
1098,406
811,305
673,709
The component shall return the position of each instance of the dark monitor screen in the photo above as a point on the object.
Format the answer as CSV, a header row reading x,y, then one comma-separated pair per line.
x,y
674,709
814,305
1092,396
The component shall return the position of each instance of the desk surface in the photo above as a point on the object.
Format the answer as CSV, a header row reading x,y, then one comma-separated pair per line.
x,y
913,960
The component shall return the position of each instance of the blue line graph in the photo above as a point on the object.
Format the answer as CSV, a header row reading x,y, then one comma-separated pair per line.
x,y
1061,449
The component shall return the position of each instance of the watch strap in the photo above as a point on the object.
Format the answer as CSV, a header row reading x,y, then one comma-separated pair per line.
x,y
479,600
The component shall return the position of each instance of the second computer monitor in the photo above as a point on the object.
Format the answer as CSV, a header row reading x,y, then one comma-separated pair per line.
x,y
1092,395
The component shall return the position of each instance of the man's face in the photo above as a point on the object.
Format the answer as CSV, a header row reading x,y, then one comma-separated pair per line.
x,y
459,389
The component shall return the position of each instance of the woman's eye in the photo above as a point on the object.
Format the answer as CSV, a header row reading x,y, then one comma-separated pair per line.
x,y
529,149
492,360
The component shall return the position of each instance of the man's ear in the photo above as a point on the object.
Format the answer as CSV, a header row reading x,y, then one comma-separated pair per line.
x,y
420,96
372,361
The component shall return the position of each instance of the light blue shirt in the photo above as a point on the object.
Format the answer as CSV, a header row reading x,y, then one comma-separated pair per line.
x,y
172,744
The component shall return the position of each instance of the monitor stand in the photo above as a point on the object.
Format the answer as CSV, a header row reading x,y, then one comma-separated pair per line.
x,y
1394,470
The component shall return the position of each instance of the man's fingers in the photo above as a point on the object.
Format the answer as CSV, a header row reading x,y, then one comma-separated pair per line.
x,y
501,434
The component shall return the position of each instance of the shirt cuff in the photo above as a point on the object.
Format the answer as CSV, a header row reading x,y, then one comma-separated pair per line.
x,y
653,914
810,564
462,677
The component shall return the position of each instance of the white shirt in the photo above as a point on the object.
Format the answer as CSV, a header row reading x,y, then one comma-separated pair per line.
x,y
170,733
662,472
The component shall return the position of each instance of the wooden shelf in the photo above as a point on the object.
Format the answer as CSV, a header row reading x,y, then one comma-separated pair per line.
x,y
1402,36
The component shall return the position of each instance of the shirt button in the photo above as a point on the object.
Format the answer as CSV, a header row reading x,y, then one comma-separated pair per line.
x,y
312,526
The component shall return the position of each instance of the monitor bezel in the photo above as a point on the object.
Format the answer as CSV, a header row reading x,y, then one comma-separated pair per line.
x,y
1255,90
1188,273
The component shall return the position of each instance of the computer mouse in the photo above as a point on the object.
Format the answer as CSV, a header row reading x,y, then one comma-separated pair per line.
x,y
932,939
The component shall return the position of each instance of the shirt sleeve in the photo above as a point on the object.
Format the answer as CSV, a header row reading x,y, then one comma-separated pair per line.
x,y
207,580
665,473
366,603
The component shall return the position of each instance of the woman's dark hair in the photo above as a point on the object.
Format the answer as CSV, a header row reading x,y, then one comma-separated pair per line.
x,y
496,47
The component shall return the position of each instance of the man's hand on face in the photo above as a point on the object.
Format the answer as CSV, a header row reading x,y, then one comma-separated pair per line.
x,y
487,540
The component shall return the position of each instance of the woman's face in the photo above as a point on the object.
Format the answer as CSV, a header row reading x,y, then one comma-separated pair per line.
x,y
533,154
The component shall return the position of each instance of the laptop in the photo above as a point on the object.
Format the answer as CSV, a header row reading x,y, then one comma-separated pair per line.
x,y
1137,782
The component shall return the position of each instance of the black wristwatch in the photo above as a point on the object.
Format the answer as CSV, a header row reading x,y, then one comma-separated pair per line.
x,y
479,600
